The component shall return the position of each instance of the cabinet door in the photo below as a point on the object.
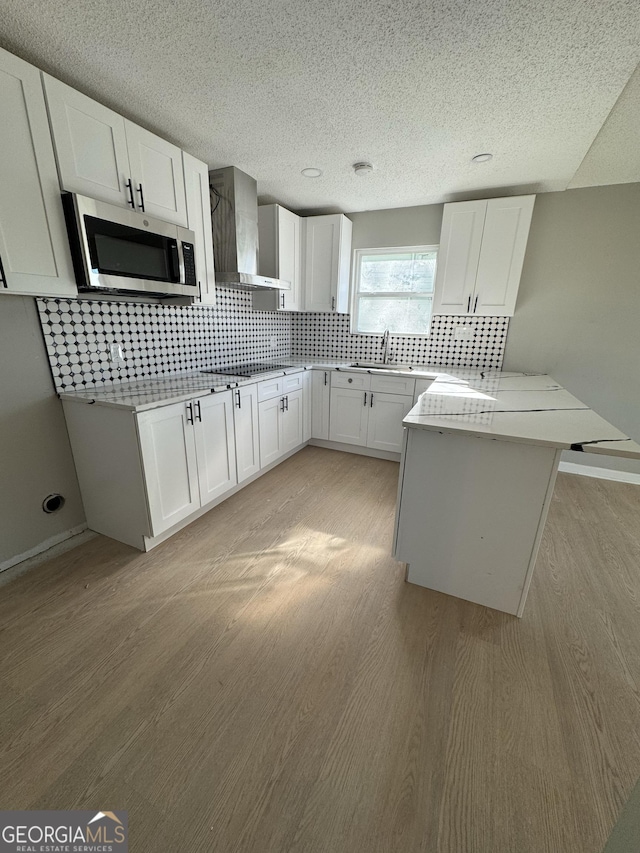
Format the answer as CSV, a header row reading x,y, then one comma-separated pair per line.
x,y
322,244
349,416
458,256
291,422
157,174
245,416
289,256
168,450
504,241
34,249
384,431
344,266
196,178
215,445
320,396
269,413
90,144
327,263
306,405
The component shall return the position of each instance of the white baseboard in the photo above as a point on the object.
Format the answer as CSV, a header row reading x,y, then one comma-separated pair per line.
x,y
51,542
600,473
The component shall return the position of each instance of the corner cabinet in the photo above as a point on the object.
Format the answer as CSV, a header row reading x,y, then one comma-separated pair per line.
x,y
196,179
34,249
482,248
327,263
280,256
105,156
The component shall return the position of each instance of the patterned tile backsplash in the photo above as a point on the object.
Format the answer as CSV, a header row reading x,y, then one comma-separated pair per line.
x,y
328,335
156,339
161,339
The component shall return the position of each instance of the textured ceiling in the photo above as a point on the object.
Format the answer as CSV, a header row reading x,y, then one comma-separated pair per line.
x,y
415,86
614,157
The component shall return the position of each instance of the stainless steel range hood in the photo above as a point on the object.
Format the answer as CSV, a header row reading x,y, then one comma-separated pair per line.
x,y
234,220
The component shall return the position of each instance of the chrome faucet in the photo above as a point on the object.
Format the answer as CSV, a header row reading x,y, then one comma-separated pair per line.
x,y
385,347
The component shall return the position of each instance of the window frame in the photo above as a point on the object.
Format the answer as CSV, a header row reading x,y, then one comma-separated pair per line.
x,y
358,254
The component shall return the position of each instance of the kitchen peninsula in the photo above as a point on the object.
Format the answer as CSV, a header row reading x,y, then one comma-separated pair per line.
x,y
478,468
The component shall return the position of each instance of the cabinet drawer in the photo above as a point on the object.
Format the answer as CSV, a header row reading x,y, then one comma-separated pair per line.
x,y
345,379
393,384
292,382
269,388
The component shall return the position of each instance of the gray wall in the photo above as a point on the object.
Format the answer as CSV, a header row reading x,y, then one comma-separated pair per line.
x,y
578,310
403,226
36,457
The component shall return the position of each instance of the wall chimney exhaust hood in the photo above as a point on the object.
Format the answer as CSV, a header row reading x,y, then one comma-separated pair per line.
x,y
234,221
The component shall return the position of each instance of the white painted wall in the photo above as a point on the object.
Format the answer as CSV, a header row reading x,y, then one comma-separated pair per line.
x,y
35,457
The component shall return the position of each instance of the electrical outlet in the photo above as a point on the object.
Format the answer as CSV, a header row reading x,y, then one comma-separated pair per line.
x,y
116,354
463,333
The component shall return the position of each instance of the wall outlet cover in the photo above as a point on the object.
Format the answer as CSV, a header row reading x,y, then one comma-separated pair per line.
x,y
463,333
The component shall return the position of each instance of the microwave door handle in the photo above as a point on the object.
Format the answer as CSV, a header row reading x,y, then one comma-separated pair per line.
x,y
176,261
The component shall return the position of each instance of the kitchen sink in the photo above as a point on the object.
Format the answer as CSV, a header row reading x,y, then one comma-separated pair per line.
x,y
378,365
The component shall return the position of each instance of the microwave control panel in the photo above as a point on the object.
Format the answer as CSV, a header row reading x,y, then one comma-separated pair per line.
x,y
189,263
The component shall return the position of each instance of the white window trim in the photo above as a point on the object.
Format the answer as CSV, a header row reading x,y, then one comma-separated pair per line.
x,y
355,277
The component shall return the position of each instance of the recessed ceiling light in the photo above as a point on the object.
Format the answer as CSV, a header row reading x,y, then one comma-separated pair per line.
x,y
482,158
311,172
362,168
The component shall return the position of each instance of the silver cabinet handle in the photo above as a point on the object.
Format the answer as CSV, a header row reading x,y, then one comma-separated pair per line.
x,y
189,413
475,305
468,303
333,303
282,297
238,399
371,400
365,398
287,399
141,205
282,404
198,412
325,377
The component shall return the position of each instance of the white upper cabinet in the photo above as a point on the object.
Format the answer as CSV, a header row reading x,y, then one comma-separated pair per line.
x,y
327,262
158,178
482,247
196,178
34,249
104,156
91,145
280,256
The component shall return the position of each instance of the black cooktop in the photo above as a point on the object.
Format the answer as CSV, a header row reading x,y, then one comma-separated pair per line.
x,y
253,369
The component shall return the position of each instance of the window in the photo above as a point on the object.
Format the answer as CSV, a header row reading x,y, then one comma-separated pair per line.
x,y
393,289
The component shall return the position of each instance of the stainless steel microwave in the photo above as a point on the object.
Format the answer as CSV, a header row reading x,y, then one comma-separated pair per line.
x,y
120,250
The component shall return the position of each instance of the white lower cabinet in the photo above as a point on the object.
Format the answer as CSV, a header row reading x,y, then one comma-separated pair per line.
x,y
188,457
245,417
281,421
143,474
386,412
320,401
369,415
349,416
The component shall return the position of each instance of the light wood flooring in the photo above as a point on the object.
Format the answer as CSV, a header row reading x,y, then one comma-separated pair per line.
x,y
265,681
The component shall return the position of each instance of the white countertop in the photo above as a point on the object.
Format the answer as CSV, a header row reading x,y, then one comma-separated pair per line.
x,y
143,394
533,409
